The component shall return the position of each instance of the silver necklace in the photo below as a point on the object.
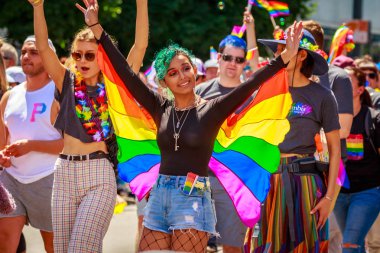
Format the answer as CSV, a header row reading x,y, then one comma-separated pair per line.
x,y
176,134
178,118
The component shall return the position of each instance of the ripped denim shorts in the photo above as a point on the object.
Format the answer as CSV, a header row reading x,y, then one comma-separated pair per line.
x,y
169,208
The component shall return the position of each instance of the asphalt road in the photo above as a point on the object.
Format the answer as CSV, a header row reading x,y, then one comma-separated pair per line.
x,y
120,237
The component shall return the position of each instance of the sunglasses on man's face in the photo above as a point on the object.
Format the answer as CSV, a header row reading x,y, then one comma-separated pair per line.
x,y
371,75
78,56
230,58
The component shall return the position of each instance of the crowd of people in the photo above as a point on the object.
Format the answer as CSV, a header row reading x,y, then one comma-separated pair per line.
x,y
57,141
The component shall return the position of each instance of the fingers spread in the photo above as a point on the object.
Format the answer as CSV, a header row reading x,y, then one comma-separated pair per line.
x,y
86,3
80,8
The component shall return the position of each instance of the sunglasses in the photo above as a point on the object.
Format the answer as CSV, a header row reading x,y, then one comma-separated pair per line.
x,y
371,75
78,56
230,58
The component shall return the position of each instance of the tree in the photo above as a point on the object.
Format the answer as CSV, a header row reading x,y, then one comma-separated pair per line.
x,y
63,19
196,24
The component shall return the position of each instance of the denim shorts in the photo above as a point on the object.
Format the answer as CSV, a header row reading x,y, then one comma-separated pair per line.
x,y
169,208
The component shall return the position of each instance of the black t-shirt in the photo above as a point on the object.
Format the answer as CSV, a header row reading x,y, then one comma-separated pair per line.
x,y
313,107
363,164
198,134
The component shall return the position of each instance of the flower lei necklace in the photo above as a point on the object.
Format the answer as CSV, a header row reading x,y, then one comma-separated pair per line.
x,y
92,112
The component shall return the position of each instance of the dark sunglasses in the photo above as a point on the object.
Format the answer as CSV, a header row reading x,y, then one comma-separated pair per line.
x,y
230,58
372,75
78,56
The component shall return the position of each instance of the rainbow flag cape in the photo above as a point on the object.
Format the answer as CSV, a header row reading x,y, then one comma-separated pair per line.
x,y
343,40
245,152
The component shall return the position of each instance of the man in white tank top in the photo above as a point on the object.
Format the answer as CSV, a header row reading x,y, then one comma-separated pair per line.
x,y
29,147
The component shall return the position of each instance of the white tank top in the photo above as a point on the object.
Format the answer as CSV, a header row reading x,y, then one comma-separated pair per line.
x,y
27,116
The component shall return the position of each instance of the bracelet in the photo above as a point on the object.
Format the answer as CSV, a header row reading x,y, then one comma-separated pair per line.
x,y
97,23
327,197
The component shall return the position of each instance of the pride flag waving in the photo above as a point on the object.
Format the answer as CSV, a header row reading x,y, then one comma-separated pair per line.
x,y
245,152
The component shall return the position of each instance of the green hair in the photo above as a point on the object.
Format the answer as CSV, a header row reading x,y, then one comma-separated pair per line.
x,y
166,55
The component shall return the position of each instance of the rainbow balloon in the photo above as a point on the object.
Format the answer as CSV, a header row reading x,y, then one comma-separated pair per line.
x,y
245,152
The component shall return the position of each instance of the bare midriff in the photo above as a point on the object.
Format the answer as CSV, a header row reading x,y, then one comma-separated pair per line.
x,y
73,146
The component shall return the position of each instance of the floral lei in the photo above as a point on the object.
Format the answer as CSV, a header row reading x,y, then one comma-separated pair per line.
x,y
92,112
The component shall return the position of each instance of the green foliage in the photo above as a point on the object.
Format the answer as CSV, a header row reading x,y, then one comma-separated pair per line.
x,y
63,19
196,25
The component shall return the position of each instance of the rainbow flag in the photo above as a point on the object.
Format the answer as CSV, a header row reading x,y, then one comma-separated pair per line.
x,y
274,8
213,53
239,30
245,152
251,53
260,3
277,9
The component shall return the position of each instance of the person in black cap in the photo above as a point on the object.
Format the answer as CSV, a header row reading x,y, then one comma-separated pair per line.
x,y
298,204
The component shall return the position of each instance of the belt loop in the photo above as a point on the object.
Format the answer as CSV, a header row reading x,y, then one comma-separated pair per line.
x,y
69,157
177,182
87,157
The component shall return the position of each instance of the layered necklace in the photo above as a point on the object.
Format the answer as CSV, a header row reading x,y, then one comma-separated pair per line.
x,y
92,111
177,126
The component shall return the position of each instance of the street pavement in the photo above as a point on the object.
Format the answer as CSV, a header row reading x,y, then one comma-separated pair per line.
x,y
120,237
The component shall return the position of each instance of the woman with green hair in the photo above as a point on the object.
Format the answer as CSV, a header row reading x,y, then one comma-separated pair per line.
x,y
177,218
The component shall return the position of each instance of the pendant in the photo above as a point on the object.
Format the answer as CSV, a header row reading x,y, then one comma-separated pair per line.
x,y
176,136
177,126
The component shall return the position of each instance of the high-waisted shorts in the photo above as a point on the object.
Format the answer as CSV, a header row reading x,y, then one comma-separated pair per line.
x,y
169,208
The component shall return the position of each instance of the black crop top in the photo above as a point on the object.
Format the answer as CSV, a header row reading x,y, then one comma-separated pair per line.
x,y
197,137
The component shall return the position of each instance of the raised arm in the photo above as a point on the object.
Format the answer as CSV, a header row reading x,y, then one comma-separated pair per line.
x,y
114,62
228,103
137,52
51,62
251,40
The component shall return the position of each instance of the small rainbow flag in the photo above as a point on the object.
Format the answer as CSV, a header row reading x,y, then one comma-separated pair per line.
x,y
148,71
260,3
274,8
251,53
277,9
238,30
322,154
191,179
213,53
355,147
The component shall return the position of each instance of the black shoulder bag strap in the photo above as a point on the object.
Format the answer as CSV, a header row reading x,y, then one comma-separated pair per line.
x,y
369,126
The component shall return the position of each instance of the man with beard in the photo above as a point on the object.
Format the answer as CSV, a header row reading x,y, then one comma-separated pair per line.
x,y
29,147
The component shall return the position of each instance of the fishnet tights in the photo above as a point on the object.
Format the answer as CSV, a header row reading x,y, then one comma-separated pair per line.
x,y
187,240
